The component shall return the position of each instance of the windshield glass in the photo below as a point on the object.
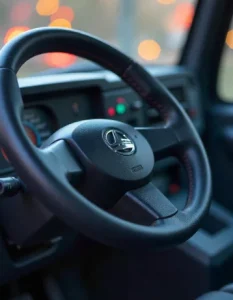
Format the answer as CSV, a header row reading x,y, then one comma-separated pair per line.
x,y
151,31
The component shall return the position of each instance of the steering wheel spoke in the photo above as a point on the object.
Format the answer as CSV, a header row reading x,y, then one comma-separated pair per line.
x,y
144,205
61,161
162,140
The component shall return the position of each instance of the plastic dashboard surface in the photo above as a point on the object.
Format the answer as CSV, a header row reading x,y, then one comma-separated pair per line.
x,y
53,101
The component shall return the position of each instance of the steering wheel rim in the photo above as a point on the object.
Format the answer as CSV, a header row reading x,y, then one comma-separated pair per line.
x,y
36,169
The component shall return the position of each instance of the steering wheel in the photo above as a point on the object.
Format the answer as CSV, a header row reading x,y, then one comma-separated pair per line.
x,y
95,175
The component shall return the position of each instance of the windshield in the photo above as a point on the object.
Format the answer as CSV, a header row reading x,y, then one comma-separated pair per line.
x,y
151,31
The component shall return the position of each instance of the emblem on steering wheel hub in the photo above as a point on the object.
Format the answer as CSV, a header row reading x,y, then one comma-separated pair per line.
x,y
119,142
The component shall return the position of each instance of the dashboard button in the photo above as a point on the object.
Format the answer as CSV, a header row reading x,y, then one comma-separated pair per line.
x,y
152,113
121,108
111,112
136,105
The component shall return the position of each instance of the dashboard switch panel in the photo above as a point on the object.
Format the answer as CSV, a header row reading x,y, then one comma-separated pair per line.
x,y
124,105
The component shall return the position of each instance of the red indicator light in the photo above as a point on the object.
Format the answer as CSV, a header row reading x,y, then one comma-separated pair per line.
x,y
120,100
192,112
174,188
111,112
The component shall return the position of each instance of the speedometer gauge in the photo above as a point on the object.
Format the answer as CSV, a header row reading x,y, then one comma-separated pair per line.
x,y
32,133
39,125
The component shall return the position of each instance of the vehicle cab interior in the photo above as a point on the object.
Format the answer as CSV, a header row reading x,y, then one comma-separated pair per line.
x,y
116,149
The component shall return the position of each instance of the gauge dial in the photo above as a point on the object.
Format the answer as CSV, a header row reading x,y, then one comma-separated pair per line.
x,y
39,125
32,133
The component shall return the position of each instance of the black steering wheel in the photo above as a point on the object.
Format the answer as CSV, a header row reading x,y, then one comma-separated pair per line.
x,y
95,174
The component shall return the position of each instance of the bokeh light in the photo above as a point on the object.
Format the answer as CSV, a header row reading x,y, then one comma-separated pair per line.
x,y
21,11
13,32
229,39
63,12
166,2
59,59
171,18
61,23
182,17
149,50
47,7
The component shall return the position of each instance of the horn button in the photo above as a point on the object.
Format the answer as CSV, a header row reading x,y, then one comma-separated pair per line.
x,y
114,148
114,156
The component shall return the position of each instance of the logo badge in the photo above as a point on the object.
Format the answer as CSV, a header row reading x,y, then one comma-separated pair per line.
x,y
119,142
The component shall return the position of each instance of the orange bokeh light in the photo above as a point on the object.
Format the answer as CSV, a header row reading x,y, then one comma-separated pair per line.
x,y
13,32
229,39
59,59
60,23
63,12
183,16
47,7
21,11
166,2
149,50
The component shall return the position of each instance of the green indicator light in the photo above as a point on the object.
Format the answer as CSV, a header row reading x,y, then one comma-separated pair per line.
x,y
120,109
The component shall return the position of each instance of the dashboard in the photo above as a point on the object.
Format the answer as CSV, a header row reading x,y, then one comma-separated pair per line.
x,y
53,101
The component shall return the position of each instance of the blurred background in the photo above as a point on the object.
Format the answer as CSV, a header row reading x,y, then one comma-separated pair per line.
x,y
225,82
151,31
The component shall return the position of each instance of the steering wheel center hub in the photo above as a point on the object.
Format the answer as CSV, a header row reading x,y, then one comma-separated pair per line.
x,y
114,155
114,150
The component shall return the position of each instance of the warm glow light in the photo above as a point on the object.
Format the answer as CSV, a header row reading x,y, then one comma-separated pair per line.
x,y
47,7
149,50
60,23
166,2
183,16
229,39
59,60
13,32
63,12
21,11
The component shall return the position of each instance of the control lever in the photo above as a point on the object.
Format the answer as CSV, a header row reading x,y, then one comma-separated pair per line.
x,y
10,186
